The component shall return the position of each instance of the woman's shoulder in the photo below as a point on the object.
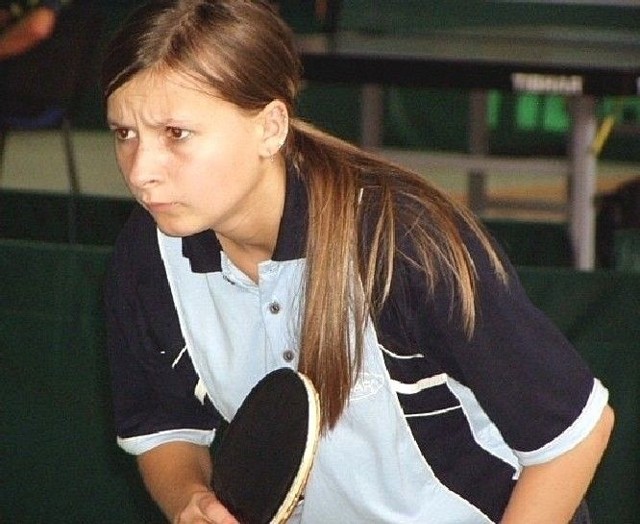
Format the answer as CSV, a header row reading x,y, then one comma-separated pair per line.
x,y
136,246
138,226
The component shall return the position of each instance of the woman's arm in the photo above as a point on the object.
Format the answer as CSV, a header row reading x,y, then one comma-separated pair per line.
x,y
549,493
178,476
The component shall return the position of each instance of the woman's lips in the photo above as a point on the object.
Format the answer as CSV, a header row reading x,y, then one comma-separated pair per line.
x,y
160,207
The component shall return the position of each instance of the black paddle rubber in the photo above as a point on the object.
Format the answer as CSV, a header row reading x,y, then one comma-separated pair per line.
x,y
265,455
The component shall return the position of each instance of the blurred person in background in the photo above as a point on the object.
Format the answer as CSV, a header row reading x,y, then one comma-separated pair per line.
x,y
25,24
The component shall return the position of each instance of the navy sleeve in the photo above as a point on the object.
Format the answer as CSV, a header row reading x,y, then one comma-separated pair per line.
x,y
523,371
153,379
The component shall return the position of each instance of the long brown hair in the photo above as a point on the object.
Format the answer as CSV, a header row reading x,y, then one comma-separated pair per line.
x,y
357,202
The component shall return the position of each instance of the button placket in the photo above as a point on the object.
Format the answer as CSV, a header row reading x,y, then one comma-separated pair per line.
x,y
275,318
274,308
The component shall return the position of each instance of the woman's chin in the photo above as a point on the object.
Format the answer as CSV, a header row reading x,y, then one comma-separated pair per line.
x,y
178,228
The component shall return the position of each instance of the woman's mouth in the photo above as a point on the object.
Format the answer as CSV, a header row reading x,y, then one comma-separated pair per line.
x,y
159,207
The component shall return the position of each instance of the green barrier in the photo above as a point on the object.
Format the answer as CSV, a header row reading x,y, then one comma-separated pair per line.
x,y
539,244
600,313
59,459
627,250
46,217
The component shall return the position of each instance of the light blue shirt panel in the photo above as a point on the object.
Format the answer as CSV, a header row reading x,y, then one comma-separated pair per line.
x,y
216,335
232,337
484,431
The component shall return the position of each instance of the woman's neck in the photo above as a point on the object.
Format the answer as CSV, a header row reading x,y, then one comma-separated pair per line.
x,y
255,241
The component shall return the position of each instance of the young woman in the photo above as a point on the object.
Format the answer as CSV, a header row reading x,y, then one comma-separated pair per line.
x,y
261,242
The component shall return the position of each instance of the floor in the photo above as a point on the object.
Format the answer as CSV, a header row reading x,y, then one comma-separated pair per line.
x,y
34,161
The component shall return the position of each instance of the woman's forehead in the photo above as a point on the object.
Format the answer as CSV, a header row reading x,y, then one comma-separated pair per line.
x,y
160,77
161,82
157,95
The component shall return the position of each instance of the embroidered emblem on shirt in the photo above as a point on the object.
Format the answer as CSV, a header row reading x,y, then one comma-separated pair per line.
x,y
367,385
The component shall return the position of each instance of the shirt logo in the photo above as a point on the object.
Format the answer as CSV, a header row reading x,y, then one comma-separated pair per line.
x,y
366,386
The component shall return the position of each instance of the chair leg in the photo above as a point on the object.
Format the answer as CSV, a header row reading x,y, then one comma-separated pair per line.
x,y
3,142
72,171
74,184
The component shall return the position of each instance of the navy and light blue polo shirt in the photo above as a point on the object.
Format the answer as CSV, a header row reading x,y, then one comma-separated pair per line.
x,y
437,427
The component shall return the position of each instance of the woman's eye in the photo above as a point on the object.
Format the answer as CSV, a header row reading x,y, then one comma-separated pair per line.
x,y
176,133
122,134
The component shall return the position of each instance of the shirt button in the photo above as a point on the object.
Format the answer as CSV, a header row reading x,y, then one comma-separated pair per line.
x,y
288,355
274,308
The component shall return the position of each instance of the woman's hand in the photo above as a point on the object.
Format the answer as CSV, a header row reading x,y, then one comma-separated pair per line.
x,y
204,508
178,477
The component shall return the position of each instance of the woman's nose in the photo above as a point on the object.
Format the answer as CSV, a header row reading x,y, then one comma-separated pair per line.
x,y
146,167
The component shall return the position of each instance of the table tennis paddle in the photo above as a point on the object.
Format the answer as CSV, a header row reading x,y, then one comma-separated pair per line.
x,y
263,460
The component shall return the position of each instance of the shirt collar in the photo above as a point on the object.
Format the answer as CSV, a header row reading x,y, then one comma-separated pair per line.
x,y
203,249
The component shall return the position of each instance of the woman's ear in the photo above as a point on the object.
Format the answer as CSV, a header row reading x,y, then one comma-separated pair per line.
x,y
275,127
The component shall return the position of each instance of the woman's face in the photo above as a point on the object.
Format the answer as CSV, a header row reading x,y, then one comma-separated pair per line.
x,y
194,161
